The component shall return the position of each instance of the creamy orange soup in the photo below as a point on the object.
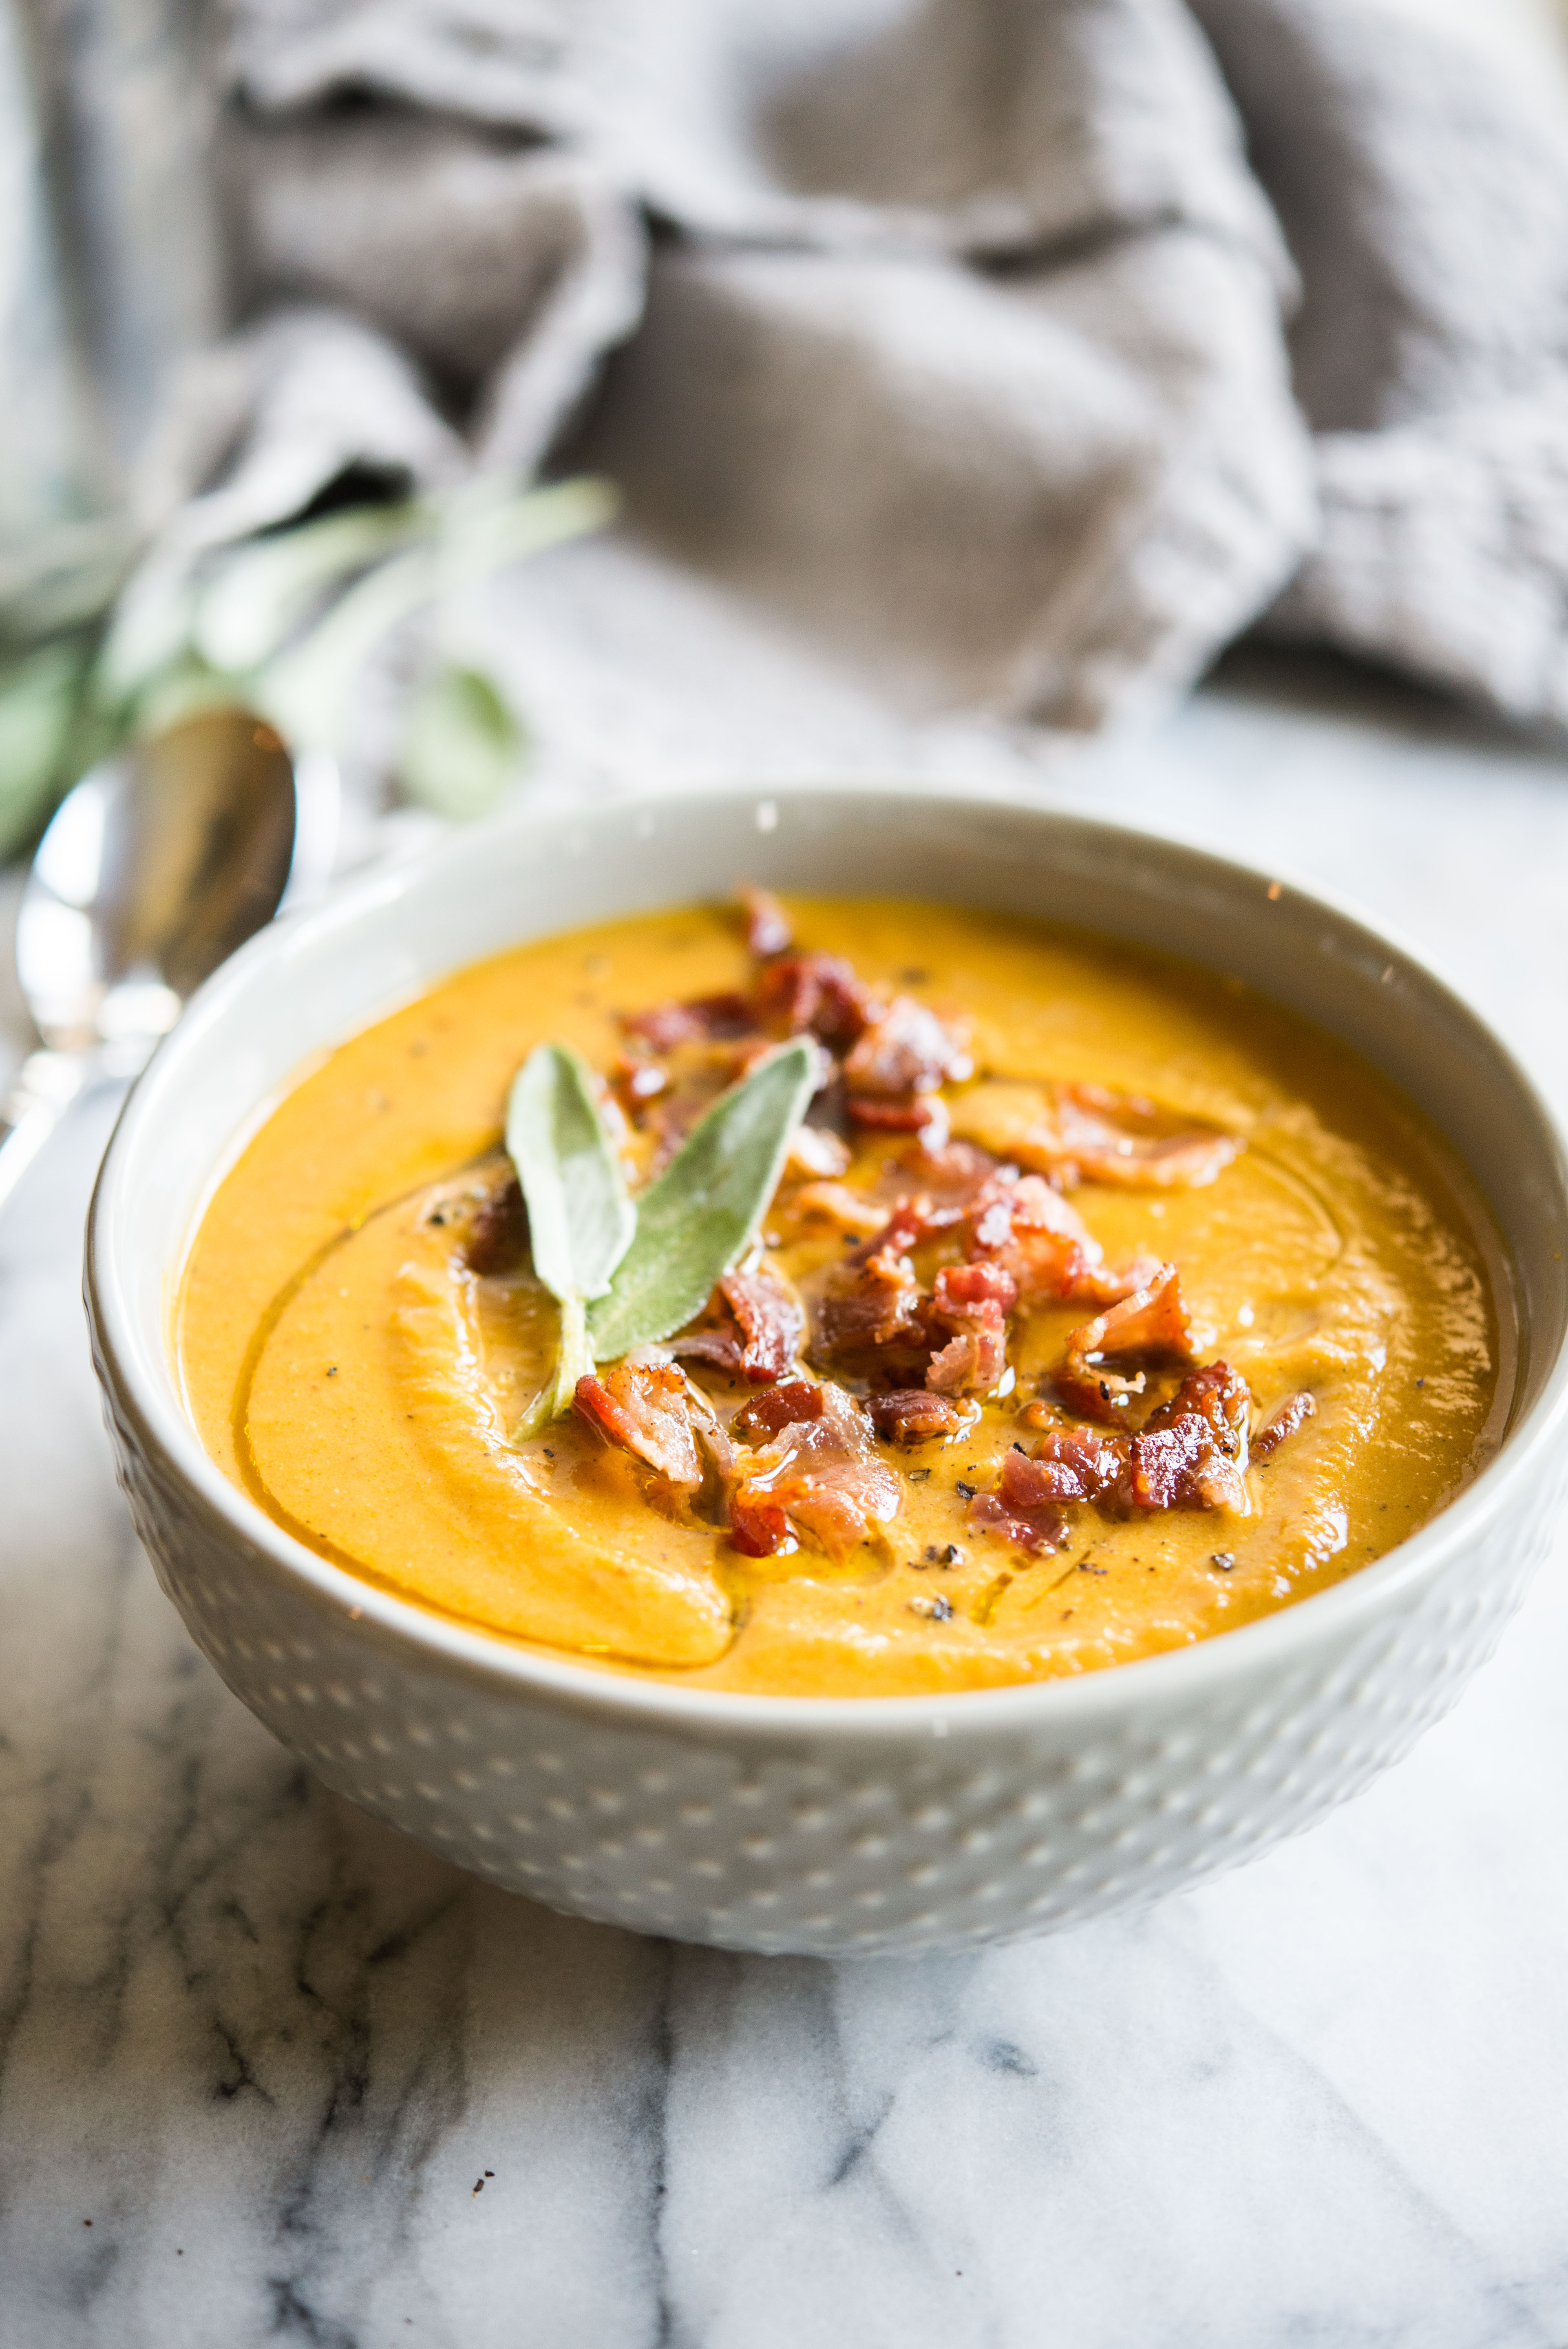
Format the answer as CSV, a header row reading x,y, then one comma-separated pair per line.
x,y
1026,1462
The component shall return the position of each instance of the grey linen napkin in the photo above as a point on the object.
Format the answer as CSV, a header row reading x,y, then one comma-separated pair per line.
x,y
966,335
1425,198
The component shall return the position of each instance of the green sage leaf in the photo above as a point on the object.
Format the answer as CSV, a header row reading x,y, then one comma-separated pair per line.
x,y
38,700
263,590
698,1220
580,1218
461,743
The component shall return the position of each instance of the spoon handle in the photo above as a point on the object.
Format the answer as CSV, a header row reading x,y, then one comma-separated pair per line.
x,y
43,1088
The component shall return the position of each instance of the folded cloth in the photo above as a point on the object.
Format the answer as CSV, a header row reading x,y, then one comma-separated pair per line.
x,y
983,373
1424,194
967,335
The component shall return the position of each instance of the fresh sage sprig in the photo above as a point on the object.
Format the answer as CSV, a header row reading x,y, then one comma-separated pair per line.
x,y
580,1219
701,1216
626,1275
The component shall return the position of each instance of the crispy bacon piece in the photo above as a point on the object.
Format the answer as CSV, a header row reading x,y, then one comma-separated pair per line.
x,y
814,1151
920,1113
972,1300
498,1236
818,994
643,1407
908,1049
948,1175
1101,1286
1044,1528
870,1300
759,1334
768,925
1105,1137
1190,1454
1152,1321
1287,1416
712,1435
836,1203
1028,1520
770,1320
1073,1464
1032,1231
1075,1133
912,1415
696,1074
766,1413
665,1025
895,1218
821,1477
908,1224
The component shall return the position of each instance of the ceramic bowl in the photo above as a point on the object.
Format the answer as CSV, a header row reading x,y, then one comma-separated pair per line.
x,y
829,1825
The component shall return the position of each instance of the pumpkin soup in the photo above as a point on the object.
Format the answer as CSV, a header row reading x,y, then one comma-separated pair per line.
x,y
852,1298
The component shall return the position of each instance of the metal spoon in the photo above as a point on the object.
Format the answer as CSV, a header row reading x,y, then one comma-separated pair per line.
x,y
155,868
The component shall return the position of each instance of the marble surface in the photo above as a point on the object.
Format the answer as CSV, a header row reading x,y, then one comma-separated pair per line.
x,y
269,2073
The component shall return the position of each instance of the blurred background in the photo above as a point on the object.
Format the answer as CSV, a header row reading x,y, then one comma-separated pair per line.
x,y
936,381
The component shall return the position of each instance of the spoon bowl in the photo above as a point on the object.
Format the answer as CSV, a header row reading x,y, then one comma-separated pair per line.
x,y
157,865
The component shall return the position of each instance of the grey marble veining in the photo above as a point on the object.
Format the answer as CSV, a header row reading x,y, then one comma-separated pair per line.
x,y
308,2084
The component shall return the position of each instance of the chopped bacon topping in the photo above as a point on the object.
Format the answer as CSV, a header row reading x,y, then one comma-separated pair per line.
x,y
1293,1412
1101,1286
765,1414
946,1175
498,1236
1077,1133
836,1203
1042,1527
770,1320
821,1477
1017,1512
1019,1240
759,1334
908,1049
1073,1464
813,1150
669,1097
912,1415
1112,1138
1152,1321
911,1113
1191,1452
974,1301
909,1222
872,1299
873,1303
712,1435
665,1025
768,925
817,995
1033,1232
643,1407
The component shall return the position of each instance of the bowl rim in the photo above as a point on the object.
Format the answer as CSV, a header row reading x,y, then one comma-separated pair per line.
x,y
385,1618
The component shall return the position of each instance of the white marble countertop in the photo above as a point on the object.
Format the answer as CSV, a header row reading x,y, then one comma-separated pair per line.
x,y
269,2073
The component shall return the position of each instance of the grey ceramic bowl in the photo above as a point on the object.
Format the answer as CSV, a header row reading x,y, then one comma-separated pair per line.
x,y
829,1825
